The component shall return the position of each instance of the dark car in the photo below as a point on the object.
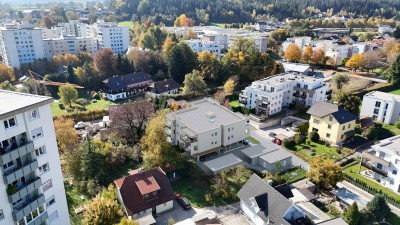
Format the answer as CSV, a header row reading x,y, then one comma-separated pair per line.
x,y
183,202
246,142
202,158
272,134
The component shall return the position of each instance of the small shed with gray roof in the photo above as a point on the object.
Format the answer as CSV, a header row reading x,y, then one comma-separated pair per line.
x,y
222,163
268,157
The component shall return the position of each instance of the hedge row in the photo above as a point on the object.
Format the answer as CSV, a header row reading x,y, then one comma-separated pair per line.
x,y
361,184
84,115
242,110
347,161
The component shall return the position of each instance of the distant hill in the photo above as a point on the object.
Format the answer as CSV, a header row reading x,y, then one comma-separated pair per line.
x,y
20,2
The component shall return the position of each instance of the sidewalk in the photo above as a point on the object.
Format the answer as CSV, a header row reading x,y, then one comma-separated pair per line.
x,y
364,194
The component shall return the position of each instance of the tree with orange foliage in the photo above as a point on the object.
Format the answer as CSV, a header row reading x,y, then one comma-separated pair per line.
x,y
184,21
307,54
293,53
174,106
71,59
355,62
318,56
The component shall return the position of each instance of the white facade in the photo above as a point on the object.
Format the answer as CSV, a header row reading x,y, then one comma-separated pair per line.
x,y
261,26
111,35
20,44
205,127
385,29
299,41
69,44
198,46
30,162
382,107
268,96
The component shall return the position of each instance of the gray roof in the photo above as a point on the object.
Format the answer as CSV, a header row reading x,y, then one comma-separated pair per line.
x,y
322,109
257,150
224,162
276,156
12,101
276,204
383,96
206,115
336,221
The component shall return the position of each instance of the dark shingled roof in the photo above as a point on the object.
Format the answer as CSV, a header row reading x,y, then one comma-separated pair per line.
x,y
131,195
322,109
122,82
164,86
275,206
285,190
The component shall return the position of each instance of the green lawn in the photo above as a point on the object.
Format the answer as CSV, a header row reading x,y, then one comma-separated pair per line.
x,y
195,190
393,219
126,23
396,92
234,103
253,140
353,172
99,105
293,175
74,200
320,149
394,130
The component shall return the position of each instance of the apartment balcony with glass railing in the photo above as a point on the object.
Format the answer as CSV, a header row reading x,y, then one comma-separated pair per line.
x,y
14,147
23,168
28,204
19,191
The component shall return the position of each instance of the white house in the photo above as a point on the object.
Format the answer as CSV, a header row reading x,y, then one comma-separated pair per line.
x,y
382,107
111,35
198,46
385,29
261,25
69,44
20,43
269,95
299,41
164,87
205,127
32,187
296,68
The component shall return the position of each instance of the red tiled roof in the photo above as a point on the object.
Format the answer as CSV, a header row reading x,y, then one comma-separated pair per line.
x,y
133,187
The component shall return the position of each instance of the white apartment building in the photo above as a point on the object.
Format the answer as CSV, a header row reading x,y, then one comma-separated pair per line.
x,y
299,41
269,95
111,35
383,160
261,41
20,43
385,29
205,127
198,46
72,28
381,106
69,44
219,39
32,188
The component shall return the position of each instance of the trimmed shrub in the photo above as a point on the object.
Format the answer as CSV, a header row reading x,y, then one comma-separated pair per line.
x,y
298,138
339,150
308,142
289,143
313,136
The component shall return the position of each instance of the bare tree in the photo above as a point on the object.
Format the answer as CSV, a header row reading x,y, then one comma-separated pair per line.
x,y
129,119
371,60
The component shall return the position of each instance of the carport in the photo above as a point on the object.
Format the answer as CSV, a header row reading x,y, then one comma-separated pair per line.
x,y
222,163
251,154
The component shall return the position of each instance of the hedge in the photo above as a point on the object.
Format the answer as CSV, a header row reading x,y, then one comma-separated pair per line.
x,y
84,115
347,161
242,110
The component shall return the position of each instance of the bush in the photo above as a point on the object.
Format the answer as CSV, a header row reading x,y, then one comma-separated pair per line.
x,y
298,138
339,150
84,115
347,161
327,144
313,150
313,136
312,154
397,124
289,143
96,96
308,142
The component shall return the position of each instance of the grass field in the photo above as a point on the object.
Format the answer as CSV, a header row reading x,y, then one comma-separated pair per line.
x,y
306,151
99,105
234,103
74,200
126,23
253,140
396,92
394,130
293,174
353,172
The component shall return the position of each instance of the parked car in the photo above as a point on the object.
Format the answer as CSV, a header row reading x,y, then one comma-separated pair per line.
x,y
183,202
80,125
246,142
272,134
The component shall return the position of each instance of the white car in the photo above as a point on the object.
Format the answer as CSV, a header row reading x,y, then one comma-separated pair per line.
x,y
80,125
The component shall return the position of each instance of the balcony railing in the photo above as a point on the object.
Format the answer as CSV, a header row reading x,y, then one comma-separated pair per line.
x,y
14,153
41,219
28,206
25,190
21,170
376,170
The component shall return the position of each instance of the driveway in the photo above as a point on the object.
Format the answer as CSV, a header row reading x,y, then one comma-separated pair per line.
x,y
179,214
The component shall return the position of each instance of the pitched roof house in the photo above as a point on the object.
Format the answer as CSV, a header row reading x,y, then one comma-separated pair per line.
x,y
164,87
120,87
144,193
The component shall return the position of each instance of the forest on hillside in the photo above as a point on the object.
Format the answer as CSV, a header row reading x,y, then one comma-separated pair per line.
x,y
233,11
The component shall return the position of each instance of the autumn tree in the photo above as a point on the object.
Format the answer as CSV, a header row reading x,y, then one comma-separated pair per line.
x,y
126,221
71,59
59,60
208,65
348,101
293,53
84,56
278,68
104,62
229,86
325,173
355,62
66,134
46,22
371,60
340,80
6,73
318,56
278,35
308,53
67,94
102,211
194,83
184,21
130,118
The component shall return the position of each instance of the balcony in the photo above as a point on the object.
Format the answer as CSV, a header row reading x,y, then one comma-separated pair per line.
x,y
8,155
374,169
24,190
21,170
304,90
243,95
41,219
28,206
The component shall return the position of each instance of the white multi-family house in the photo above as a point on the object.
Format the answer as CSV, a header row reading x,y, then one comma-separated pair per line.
x,y
111,35
198,46
69,44
299,41
32,188
269,95
383,161
20,43
385,29
380,106
261,25
205,127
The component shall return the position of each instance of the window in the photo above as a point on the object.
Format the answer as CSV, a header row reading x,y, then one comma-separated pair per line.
x,y
47,185
8,165
376,111
377,104
11,122
51,201
329,126
1,214
379,166
348,126
316,121
40,151
344,127
229,129
330,118
44,168
394,172
328,135
36,133
34,114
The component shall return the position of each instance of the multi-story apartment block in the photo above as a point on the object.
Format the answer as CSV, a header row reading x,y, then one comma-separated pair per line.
x,y
111,35
219,39
72,28
20,43
205,127
299,41
69,44
381,107
269,95
198,46
32,188
383,160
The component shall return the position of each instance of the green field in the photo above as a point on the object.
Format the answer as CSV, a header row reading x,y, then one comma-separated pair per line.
x,y
293,175
396,92
126,23
234,103
320,149
99,105
74,200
